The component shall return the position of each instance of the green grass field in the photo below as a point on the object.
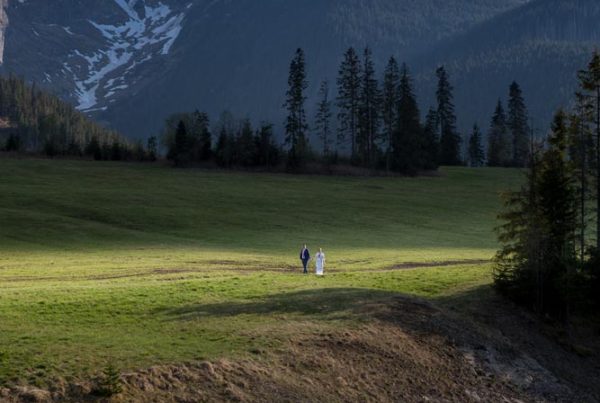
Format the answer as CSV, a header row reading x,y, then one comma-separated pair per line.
x,y
142,264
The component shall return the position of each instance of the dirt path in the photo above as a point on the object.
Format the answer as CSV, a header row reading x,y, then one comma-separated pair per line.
x,y
226,266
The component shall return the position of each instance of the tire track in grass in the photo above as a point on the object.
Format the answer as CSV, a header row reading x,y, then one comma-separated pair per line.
x,y
246,270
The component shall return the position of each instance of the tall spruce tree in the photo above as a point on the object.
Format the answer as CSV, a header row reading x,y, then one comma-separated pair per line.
x,y
431,144
245,145
181,152
323,119
203,137
224,148
499,145
406,147
581,142
94,149
538,235
348,99
152,148
295,125
389,105
476,154
268,152
518,126
368,118
450,141
589,100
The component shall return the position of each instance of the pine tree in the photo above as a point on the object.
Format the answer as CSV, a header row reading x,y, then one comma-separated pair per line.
x,y
348,99
431,144
267,150
203,137
538,235
449,138
152,148
368,118
115,151
389,105
180,153
106,150
138,152
224,149
93,149
296,126
589,100
245,145
406,146
476,154
518,126
13,143
499,150
323,119
74,149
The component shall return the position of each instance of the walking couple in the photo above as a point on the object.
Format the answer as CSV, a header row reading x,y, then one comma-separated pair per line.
x,y
319,259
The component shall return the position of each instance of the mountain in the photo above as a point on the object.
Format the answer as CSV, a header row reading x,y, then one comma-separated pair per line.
x,y
88,51
541,45
130,63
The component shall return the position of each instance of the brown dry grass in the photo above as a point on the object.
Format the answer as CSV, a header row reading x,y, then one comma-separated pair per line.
x,y
407,350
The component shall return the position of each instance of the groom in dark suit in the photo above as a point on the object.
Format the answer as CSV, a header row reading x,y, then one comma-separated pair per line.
x,y
305,257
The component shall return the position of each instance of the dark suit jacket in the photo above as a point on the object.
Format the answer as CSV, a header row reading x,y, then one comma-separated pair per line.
x,y
304,254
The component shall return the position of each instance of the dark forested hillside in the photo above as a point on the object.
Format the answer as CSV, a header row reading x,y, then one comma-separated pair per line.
x,y
32,120
541,45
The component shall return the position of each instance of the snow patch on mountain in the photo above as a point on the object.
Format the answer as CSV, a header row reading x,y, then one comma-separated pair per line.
x,y
129,44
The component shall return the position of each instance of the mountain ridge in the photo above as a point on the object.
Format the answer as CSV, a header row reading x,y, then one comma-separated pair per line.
x,y
541,45
218,55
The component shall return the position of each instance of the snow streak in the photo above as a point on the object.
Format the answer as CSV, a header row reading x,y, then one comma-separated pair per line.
x,y
145,34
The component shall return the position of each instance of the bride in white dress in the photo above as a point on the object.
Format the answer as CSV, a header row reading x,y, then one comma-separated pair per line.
x,y
320,261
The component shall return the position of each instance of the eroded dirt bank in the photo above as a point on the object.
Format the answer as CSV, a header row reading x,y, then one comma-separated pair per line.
x,y
407,350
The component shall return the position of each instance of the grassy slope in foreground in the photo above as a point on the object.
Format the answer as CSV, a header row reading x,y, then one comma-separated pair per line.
x,y
139,264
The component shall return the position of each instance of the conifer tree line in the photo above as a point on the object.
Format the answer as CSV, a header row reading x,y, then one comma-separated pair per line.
x,y
365,120
37,122
188,138
378,121
362,118
508,135
359,119
550,258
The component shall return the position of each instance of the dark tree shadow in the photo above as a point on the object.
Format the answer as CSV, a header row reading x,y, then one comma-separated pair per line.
x,y
321,302
476,320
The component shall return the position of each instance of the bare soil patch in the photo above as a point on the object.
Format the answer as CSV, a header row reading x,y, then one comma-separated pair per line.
x,y
407,350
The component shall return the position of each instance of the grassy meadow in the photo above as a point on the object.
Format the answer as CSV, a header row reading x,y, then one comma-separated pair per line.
x,y
138,265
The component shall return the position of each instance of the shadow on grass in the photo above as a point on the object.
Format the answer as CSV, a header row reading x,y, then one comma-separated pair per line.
x,y
471,296
321,302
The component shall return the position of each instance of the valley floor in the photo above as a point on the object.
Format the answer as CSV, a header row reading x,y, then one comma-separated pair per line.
x,y
404,349
188,283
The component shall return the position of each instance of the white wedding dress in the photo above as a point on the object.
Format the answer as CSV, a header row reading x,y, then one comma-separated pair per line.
x,y
320,260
